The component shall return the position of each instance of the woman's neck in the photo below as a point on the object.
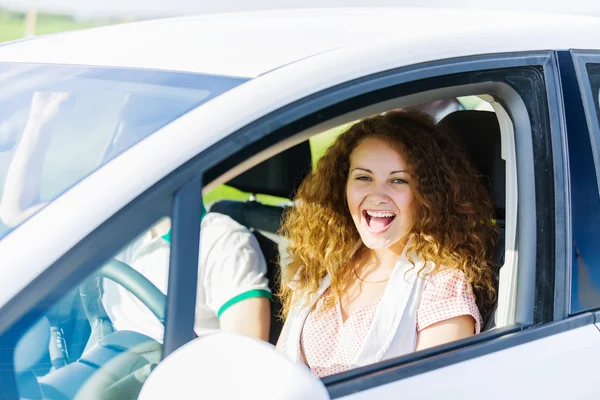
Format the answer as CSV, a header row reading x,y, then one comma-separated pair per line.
x,y
386,257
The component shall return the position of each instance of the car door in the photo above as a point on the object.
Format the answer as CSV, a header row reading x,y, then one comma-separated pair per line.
x,y
535,330
542,331
541,358
525,86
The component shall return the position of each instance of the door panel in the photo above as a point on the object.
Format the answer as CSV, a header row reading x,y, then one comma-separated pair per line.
x,y
545,368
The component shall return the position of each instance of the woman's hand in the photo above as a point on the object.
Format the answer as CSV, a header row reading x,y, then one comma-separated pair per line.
x,y
22,185
45,106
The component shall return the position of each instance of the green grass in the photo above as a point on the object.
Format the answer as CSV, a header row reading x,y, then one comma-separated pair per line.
x,y
12,25
12,29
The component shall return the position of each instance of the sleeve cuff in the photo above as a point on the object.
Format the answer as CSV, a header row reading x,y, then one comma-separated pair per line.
x,y
243,296
451,308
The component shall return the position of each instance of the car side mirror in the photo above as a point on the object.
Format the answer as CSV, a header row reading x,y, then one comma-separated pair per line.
x,y
229,366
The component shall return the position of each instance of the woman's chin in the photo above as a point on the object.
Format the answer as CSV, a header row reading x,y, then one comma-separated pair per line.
x,y
378,243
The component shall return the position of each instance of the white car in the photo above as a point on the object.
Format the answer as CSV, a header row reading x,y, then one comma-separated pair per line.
x,y
147,116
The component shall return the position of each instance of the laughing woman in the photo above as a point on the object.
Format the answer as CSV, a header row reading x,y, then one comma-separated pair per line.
x,y
391,247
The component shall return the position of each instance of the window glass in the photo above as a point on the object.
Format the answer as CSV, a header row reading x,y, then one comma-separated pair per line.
x,y
68,121
102,338
594,75
585,281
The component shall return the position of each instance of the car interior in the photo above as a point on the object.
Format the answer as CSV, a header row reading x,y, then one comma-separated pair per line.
x,y
286,171
116,365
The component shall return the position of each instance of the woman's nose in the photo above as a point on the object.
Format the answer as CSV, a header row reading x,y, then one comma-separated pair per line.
x,y
378,195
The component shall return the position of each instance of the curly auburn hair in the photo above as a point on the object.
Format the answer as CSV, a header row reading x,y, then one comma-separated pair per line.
x,y
453,211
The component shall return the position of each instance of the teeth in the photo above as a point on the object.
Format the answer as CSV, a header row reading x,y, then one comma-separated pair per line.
x,y
381,214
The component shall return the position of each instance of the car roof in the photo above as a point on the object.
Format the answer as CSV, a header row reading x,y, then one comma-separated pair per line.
x,y
252,43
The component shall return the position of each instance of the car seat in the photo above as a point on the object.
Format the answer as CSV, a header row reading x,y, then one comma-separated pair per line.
x,y
278,176
478,132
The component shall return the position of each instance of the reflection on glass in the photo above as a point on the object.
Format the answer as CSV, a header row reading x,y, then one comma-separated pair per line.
x,y
103,338
60,123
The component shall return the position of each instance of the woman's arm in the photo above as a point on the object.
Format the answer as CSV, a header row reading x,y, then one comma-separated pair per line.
x,y
21,194
251,317
446,331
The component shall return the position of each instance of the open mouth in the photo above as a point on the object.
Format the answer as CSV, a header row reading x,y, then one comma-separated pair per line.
x,y
378,221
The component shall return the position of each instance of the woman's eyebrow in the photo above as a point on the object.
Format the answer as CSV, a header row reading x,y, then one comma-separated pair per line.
x,y
362,169
369,171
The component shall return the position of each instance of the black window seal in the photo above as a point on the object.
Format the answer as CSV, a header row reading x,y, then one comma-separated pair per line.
x,y
562,188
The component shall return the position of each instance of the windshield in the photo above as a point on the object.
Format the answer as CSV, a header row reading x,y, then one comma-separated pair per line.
x,y
58,124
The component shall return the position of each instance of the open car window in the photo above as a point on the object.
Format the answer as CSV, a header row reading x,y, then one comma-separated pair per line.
x,y
318,144
260,197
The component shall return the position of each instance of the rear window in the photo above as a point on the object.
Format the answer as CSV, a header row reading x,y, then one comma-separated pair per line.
x,y
58,124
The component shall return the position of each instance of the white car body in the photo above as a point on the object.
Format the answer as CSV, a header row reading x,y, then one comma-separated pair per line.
x,y
290,56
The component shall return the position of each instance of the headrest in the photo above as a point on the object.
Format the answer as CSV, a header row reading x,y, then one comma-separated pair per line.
x,y
279,175
251,214
479,133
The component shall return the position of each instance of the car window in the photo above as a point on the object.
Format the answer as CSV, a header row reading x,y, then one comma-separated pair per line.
x,y
585,289
263,216
319,143
103,337
65,122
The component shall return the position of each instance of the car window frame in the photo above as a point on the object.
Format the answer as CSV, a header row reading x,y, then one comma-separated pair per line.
x,y
342,384
311,111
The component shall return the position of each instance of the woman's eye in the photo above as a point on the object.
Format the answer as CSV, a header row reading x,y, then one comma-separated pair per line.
x,y
363,178
398,180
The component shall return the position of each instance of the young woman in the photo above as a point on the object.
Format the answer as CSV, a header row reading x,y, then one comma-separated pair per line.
x,y
391,247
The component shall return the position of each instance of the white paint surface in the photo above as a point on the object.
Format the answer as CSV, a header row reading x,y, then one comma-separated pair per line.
x,y
562,366
250,44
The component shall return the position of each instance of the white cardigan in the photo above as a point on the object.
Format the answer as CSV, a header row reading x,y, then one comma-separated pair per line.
x,y
393,331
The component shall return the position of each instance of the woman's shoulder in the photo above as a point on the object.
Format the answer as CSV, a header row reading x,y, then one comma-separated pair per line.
x,y
446,276
447,294
446,283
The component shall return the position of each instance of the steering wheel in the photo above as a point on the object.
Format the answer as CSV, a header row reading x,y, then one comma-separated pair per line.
x,y
136,283
128,355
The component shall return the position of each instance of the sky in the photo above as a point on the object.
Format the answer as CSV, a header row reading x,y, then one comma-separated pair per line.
x,y
156,8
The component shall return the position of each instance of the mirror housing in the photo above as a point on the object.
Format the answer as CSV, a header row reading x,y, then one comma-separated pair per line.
x,y
229,366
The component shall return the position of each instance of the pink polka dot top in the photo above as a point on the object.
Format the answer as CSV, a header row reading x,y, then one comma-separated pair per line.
x,y
329,345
